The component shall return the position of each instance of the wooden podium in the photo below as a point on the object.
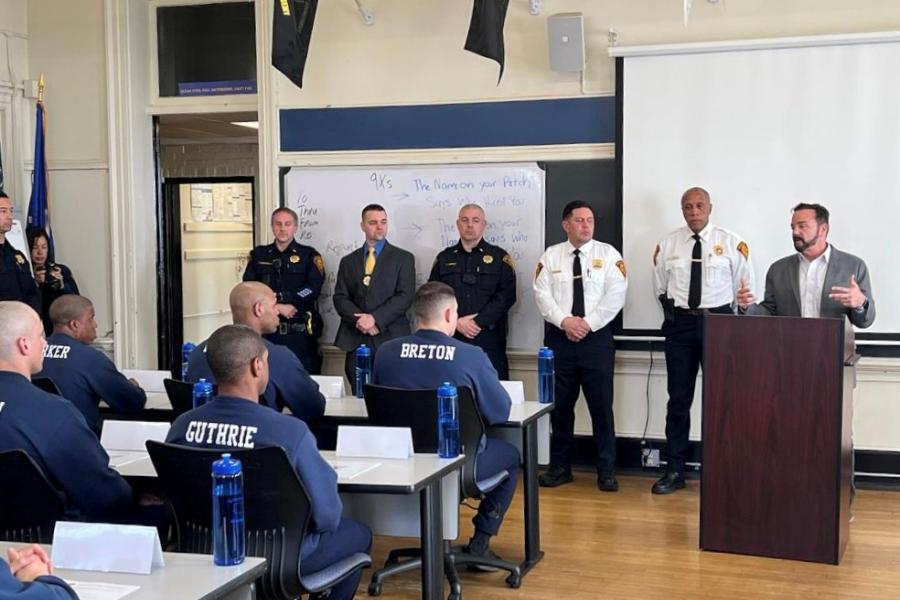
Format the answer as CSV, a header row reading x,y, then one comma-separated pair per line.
x,y
777,409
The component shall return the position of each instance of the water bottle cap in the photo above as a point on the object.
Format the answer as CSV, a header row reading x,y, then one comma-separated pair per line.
x,y
226,466
188,346
447,389
545,353
363,350
203,386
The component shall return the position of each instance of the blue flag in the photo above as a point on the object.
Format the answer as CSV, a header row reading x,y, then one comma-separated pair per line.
x,y
38,206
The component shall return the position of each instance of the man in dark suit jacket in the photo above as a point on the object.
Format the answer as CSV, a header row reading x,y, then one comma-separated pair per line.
x,y
819,281
375,287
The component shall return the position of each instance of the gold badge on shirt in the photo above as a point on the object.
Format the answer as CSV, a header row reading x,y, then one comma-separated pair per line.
x,y
294,259
367,279
487,258
597,263
20,259
718,250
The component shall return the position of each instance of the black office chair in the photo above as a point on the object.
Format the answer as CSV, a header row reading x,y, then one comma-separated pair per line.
x,y
181,395
418,410
29,504
46,384
276,507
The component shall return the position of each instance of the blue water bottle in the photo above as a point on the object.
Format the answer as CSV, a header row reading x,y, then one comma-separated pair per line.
x,y
202,393
363,368
448,421
228,511
546,376
186,349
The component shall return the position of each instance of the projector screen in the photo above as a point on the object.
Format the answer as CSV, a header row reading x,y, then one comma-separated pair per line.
x,y
763,129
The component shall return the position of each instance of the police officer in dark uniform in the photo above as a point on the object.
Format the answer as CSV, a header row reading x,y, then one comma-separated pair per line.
x,y
49,428
295,272
238,360
85,375
429,357
16,282
484,279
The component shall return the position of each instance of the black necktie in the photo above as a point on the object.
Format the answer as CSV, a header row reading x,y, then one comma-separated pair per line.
x,y
695,291
577,287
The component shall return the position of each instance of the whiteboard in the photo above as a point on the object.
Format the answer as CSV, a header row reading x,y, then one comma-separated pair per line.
x,y
422,204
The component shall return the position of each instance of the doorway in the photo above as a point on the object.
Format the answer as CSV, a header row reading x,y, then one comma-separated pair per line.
x,y
206,208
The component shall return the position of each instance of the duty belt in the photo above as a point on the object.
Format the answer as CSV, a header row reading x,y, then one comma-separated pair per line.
x,y
287,328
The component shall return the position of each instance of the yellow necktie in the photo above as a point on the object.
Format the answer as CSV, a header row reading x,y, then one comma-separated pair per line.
x,y
370,262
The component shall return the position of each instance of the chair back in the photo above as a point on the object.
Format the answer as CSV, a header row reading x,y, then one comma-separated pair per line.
x,y
46,384
276,507
181,395
29,505
418,410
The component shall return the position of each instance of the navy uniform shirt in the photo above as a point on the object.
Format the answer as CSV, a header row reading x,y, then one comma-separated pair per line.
x,y
295,275
46,587
85,375
484,281
228,422
428,358
54,434
16,282
289,383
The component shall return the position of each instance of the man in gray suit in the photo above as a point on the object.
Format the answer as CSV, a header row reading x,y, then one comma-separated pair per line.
x,y
819,281
375,287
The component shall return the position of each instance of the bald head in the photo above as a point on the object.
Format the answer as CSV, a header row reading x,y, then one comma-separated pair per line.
x,y
21,339
253,304
68,308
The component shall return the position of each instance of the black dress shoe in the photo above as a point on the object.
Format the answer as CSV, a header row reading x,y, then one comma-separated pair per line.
x,y
668,483
607,483
555,476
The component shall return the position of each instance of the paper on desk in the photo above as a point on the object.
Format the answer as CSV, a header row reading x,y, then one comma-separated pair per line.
x,y
97,590
106,547
348,469
131,435
149,380
331,386
120,458
365,441
516,391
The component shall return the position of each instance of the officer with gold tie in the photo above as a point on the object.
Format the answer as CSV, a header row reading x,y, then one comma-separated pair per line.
x,y
580,287
697,269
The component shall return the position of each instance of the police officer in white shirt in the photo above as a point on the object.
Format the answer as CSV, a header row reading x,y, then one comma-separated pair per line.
x,y
580,287
696,270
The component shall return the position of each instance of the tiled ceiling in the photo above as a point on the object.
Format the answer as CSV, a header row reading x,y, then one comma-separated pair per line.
x,y
206,128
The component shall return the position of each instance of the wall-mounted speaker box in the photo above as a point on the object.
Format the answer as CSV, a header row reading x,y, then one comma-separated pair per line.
x,y
566,36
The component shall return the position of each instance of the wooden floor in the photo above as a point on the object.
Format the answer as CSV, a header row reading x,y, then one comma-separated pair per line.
x,y
632,544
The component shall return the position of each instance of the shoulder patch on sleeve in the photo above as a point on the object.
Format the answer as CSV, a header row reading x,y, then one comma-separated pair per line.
x,y
744,249
320,264
621,265
537,271
509,261
655,255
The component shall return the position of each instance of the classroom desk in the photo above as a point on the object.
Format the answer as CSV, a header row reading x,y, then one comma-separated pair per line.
x,y
523,417
184,576
421,474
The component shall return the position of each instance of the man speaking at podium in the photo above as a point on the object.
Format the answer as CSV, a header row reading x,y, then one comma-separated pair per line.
x,y
818,281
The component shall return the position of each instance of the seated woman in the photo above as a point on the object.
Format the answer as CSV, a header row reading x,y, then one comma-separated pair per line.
x,y
54,280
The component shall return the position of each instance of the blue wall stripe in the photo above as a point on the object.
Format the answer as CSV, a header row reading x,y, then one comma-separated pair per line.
x,y
475,125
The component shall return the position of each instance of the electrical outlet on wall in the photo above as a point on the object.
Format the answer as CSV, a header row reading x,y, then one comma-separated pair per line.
x,y
649,457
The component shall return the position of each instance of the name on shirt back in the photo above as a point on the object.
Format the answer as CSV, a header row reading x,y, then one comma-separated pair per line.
x,y
56,351
436,351
221,434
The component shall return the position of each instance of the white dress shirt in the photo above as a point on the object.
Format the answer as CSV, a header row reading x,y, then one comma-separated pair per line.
x,y
726,260
812,280
603,275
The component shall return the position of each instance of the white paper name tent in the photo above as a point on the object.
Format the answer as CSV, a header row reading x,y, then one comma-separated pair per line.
x,y
516,391
331,386
374,442
124,441
150,380
106,547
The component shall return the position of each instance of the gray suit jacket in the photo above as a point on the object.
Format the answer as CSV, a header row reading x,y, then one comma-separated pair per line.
x,y
387,297
783,288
